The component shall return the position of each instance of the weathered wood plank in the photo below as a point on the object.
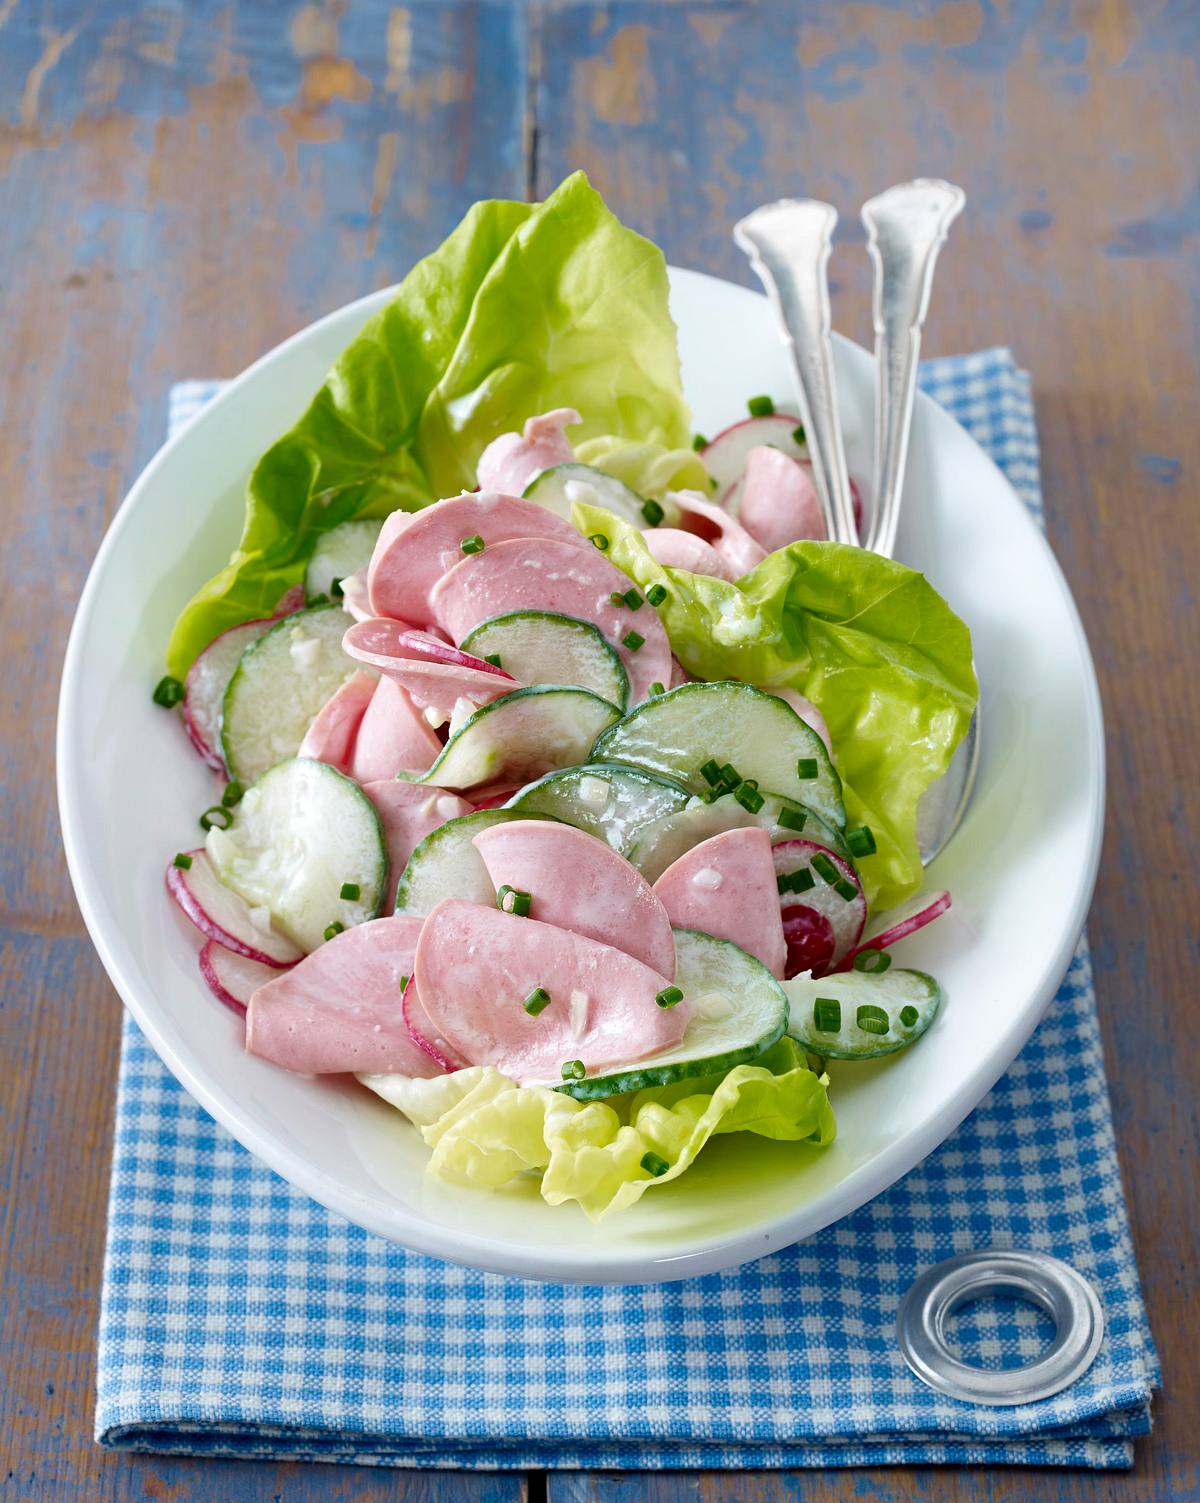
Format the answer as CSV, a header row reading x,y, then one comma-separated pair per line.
x,y
180,188
1072,129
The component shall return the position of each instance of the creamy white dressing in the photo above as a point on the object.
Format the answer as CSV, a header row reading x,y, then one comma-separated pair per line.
x,y
433,717
582,491
594,790
577,1014
463,710
708,879
304,650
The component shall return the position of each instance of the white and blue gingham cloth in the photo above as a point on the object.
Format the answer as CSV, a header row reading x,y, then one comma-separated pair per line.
x,y
239,1318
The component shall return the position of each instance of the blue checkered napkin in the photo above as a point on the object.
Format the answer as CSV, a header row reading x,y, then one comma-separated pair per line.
x,y
241,1319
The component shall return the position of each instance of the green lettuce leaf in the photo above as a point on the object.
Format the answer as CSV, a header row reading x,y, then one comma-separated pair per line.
x,y
525,307
869,641
484,1130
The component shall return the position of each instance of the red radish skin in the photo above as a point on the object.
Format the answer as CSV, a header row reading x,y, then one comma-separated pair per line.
x,y
231,978
434,675
423,644
207,680
810,941
293,599
220,914
424,1034
931,909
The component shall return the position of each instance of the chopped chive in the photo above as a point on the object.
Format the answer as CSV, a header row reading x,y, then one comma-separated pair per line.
x,y
335,588
827,1015
167,692
873,962
537,1001
404,980
652,512
617,598
806,767
669,996
337,927
183,861
825,868
711,772
656,594
846,889
233,793
872,1019
573,1069
633,640
218,815
699,442
512,900
311,600
749,798
654,1165
908,1015
712,482
730,776
760,407
798,881
632,599
656,689
600,539
861,841
472,544
493,658
351,892
793,819
798,434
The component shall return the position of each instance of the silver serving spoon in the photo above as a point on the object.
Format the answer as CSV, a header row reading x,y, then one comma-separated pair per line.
x,y
906,228
788,243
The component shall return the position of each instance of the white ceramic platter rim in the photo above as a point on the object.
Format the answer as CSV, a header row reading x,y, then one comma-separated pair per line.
x,y
592,1261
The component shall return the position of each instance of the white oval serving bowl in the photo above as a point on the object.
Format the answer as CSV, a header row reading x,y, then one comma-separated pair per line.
x,y
1021,866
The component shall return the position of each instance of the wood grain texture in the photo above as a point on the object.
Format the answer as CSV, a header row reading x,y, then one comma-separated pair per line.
x,y
182,185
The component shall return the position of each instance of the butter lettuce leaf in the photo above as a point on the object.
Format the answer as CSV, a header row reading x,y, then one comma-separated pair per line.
x,y
524,307
869,641
485,1130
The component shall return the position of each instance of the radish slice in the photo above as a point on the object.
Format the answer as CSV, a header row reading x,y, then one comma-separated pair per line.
x,y
220,914
207,680
725,455
233,979
913,916
845,913
293,599
436,676
424,1034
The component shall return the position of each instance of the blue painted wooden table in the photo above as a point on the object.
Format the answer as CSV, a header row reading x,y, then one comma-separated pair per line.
x,y
184,184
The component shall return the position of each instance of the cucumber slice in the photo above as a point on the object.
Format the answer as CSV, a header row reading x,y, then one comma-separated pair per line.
x,y
559,487
299,835
280,683
727,723
446,865
543,647
340,552
740,1010
613,803
519,737
658,844
892,993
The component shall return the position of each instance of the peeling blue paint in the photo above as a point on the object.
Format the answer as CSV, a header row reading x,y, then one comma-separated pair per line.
x,y
1161,232
1035,219
1162,468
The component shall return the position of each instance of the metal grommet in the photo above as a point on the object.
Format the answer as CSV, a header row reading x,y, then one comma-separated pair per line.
x,y
1066,1296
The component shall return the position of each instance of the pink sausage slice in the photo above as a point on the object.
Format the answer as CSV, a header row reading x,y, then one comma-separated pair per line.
x,y
405,569
726,887
727,536
435,675
331,736
554,576
779,502
476,966
393,737
511,461
341,1008
684,550
579,883
408,812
